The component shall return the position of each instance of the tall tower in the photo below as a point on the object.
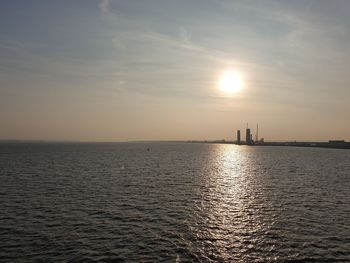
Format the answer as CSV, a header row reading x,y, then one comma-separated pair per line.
x,y
257,133
238,137
248,136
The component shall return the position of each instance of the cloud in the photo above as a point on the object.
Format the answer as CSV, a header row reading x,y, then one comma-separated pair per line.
x,y
185,37
104,6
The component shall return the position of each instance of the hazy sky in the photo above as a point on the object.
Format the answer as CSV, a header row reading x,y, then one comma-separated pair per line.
x,y
115,70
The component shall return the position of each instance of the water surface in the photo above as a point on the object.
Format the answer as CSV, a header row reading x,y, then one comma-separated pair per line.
x,y
173,202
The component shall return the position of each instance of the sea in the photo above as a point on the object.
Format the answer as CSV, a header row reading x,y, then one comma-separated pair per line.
x,y
173,202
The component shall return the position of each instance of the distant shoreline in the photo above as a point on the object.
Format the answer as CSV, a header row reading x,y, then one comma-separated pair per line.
x,y
330,144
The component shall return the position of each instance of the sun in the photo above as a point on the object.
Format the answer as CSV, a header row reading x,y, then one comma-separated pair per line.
x,y
231,82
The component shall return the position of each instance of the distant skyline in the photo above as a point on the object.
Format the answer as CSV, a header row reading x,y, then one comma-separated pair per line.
x,y
112,70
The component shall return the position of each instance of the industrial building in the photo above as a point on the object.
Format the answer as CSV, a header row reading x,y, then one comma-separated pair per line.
x,y
248,137
238,137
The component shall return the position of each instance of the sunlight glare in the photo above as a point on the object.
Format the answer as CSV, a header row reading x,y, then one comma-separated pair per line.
x,y
231,82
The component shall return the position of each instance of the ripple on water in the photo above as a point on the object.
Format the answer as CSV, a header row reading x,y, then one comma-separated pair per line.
x,y
174,203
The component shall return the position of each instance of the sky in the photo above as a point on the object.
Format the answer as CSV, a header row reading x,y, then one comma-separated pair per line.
x,y
113,70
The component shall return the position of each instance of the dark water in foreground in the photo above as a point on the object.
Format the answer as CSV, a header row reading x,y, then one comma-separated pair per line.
x,y
174,203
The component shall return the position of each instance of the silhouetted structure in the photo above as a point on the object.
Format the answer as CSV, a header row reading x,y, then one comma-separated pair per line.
x,y
248,137
337,142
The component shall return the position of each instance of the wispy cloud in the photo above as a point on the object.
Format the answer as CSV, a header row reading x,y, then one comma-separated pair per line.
x,y
184,35
182,42
104,6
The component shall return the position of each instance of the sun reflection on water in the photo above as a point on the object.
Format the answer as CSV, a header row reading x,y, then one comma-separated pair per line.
x,y
227,224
